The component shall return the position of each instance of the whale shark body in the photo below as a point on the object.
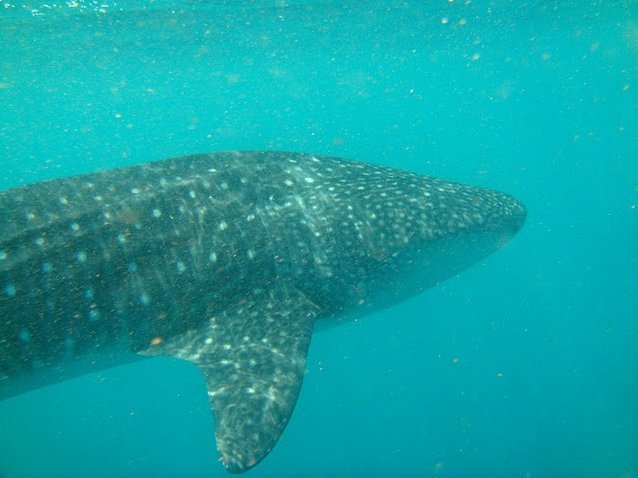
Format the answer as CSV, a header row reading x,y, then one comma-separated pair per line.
x,y
226,260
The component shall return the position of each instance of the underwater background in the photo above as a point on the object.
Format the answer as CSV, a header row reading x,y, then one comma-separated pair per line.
x,y
525,365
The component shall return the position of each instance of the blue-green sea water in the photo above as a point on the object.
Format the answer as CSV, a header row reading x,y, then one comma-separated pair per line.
x,y
525,365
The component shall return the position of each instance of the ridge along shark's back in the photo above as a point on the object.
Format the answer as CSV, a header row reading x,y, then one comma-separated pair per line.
x,y
225,260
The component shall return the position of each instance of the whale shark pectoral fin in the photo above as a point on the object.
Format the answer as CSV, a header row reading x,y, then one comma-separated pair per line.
x,y
253,357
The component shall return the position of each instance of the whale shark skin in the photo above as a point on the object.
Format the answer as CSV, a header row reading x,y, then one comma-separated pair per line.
x,y
226,260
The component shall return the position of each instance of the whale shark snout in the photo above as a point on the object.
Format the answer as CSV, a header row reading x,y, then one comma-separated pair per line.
x,y
513,214
511,219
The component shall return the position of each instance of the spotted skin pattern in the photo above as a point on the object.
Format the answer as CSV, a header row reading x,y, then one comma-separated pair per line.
x,y
226,260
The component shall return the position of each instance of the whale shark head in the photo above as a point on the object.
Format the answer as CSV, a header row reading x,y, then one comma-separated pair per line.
x,y
374,236
443,229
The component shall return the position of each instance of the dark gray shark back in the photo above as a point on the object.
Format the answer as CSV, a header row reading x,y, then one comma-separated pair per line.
x,y
123,255
226,260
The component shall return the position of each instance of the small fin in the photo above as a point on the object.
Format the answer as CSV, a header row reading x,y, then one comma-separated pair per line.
x,y
253,357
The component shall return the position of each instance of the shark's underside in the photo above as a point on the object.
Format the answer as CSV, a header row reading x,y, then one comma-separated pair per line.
x,y
225,260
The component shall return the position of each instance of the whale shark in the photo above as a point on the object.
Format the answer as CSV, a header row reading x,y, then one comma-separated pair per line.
x,y
226,260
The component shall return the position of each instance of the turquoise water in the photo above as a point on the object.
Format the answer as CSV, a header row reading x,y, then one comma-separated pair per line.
x,y
524,366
